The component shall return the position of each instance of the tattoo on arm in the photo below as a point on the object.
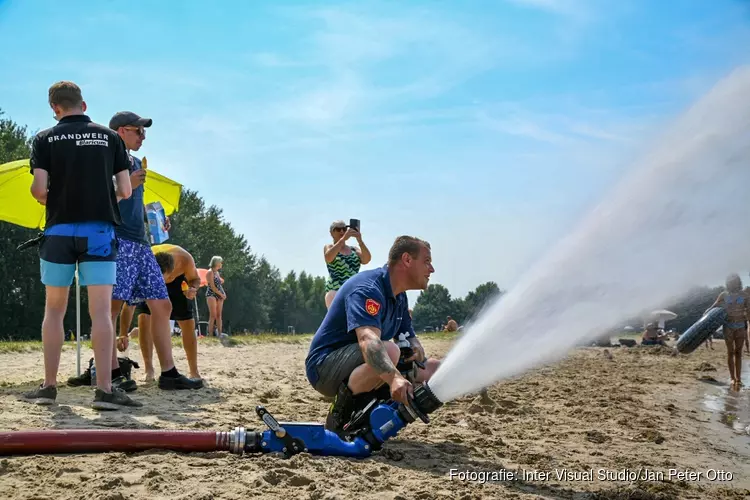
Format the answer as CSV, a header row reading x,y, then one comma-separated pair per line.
x,y
377,356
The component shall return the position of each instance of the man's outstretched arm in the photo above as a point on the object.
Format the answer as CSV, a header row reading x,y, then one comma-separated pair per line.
x,y
191,274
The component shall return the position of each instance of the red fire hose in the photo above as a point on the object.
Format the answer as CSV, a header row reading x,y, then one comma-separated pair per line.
x,y
100,440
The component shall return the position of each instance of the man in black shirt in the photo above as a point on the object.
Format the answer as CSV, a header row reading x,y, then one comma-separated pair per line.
x,y
73,164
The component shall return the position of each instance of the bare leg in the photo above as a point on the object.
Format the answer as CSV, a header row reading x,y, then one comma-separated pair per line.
x,y
116,309
102,334
740,340
190,343
329,298
219,315
146,341
430,367
53,334
364,378
160,311
211,301
729,341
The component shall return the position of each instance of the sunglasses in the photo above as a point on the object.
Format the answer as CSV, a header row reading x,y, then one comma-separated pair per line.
x,y
342,228
137,130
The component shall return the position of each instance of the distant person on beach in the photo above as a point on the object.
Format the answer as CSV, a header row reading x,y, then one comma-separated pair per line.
x,y
80,171
215,296
651,335
450,325
183,282
709,343
736,302
343,261
351,354
138,274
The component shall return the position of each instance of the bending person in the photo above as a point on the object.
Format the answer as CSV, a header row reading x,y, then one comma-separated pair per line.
x,y
350,353
182,279
342,260
215,295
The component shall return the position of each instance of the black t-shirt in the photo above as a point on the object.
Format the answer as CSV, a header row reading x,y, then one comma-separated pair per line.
x,y
81,158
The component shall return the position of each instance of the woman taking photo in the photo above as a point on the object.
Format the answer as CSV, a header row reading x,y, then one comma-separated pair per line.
x,y
215,295
342,260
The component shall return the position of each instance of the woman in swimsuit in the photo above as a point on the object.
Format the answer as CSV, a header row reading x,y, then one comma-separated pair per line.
x,y
342,260
736,302
215,295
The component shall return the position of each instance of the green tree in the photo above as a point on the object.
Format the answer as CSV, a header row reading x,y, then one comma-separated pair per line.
x,y
432,307
21,292
480,298
203,232
459,310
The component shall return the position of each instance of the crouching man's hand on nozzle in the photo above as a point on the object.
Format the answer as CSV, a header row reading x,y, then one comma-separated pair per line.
x,y
401,389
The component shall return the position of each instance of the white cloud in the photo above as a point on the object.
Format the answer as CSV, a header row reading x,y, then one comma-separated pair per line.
x,y
577,11
326,104
560,6
274,60
373,61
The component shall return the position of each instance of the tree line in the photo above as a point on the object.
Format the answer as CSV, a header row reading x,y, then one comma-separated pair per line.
x,y
261,299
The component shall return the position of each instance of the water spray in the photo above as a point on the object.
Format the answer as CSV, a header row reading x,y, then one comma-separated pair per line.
x,y
652,238
368,429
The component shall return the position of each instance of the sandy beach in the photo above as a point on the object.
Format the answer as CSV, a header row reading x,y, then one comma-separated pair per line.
x,y
581,428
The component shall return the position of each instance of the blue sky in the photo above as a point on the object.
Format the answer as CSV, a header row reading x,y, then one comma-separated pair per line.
x,y
486,128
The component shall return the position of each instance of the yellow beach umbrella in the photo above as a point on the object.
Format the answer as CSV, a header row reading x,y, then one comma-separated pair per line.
x,y
17,206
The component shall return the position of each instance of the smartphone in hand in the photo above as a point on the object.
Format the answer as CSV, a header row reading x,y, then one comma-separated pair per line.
x,y
354,224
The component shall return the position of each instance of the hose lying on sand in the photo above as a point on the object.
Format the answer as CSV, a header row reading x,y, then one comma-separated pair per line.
x,y
367,431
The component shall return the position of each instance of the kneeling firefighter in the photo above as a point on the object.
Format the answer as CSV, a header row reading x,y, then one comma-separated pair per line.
x,y
351,358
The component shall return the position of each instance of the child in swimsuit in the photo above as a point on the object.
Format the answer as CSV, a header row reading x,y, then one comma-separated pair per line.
x,y
735,301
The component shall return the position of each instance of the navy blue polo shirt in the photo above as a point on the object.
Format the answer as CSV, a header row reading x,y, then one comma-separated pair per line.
x,y
132,212
365,299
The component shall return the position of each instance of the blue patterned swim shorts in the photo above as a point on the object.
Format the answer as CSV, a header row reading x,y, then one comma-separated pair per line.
x,y
138,275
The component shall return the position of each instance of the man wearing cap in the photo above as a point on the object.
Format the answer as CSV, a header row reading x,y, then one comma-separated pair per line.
x,y
139,276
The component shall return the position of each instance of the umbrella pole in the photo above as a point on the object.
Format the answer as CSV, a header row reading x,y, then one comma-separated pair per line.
x,y
78,324
197,317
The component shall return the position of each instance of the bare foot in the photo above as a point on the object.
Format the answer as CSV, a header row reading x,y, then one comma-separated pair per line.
x,y
149,376
195,376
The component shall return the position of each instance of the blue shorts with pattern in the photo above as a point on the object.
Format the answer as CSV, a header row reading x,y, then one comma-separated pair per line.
x,y
138,275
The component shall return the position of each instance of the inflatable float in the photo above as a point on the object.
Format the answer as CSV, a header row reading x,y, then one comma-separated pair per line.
x,y
701,330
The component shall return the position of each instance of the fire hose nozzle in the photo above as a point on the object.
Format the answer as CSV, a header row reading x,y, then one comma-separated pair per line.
x,y
423,403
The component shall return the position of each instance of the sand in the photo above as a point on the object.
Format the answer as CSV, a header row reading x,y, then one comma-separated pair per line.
x,y
602,411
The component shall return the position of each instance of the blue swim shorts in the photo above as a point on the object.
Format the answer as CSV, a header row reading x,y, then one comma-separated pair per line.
x,y
138,275
91,245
